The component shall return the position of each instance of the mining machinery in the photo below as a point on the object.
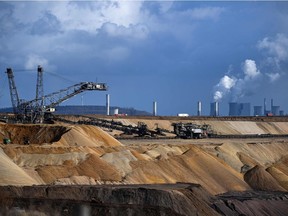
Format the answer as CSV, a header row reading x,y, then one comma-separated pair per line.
x,y
41,108
141,130
191,130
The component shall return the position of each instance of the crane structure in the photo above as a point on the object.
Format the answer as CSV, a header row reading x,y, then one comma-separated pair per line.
x,y
41,108
39,88
13,91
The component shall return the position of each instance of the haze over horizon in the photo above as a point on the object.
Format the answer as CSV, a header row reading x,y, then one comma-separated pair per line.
x,y
173,52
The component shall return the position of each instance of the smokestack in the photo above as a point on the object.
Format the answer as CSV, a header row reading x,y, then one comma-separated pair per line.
x,y
265,108
216,108
154,108
199,108
107,104
271,104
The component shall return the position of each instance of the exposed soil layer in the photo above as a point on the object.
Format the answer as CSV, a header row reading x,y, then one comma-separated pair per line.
x,y
252,203
62,157
163,199
219,125
48,134
36,134
88,155
259,179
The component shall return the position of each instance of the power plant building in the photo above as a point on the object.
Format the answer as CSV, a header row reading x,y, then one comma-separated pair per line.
x,y
276,110
233,109
239,109
258,111
245,109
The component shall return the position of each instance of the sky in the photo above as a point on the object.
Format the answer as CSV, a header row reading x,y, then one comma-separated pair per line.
x,y
174,52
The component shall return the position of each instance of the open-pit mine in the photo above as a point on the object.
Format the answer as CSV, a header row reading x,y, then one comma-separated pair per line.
x,y
78,167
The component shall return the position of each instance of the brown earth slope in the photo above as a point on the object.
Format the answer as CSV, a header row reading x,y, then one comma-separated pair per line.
x,y
63,154
218,125
86,155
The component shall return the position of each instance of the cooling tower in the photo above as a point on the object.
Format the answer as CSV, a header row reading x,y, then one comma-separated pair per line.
x,y
233,109
258,111
275,110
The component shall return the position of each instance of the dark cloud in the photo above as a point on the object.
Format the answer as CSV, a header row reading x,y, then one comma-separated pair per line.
x,y
48,24
173,51
8,24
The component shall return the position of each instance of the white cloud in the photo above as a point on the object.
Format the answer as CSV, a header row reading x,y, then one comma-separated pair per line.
x,y
124,13
205,13
34,60
90,16
134,31
273,76
116,53
165,6
66,28
276,47
84,16
276,50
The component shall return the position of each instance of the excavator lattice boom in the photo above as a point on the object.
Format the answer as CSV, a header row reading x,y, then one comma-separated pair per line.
x,y
35,110
13,91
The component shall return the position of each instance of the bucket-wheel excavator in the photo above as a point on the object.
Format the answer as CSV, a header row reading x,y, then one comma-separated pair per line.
x,y
41,108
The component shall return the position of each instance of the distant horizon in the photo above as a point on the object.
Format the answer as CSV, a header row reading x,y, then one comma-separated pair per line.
x,y
2,110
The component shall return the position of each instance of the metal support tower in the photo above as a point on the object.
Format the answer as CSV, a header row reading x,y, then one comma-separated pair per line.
x,y
13,91
39,87
38,114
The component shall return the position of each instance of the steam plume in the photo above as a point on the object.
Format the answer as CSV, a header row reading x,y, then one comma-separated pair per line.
x,y
238,87
250,69
245,84
223,87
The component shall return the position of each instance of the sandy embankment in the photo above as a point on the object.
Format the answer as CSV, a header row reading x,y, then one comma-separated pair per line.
x,y
60,154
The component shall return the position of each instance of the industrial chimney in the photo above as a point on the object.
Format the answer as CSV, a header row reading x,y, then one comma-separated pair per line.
x,y
154,108
265,108
199,108
107,104
214,109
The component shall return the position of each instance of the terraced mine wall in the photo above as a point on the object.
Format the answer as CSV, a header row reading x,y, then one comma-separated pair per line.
x,y
83,168
158,199
277,125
